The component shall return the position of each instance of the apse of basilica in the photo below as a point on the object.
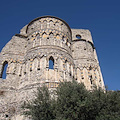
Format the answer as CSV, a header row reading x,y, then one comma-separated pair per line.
x,y
46,51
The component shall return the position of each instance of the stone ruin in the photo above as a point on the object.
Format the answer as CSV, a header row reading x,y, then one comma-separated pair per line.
x,y
46,51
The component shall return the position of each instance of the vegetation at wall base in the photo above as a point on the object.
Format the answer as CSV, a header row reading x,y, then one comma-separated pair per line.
x,y
72,101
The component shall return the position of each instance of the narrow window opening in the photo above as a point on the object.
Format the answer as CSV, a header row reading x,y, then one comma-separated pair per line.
x,y
65,61
38,69
84,48
51,63
90,77
78,36
4,70
63,38
6,115
90,68
82,77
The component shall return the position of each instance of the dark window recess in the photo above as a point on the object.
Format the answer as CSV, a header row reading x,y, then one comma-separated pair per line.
x,y
6,115
51,63
82,77
84,48
4,70
63,38
90,78
78,36
90,68
38,69
65,61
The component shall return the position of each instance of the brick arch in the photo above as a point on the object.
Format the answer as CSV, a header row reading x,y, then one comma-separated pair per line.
x,y
44,35
51,34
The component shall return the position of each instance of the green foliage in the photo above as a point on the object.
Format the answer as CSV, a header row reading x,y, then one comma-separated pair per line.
x,y
71,101
110,109
39,108
74,102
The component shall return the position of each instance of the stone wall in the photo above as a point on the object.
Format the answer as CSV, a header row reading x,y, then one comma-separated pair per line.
x,y
28,55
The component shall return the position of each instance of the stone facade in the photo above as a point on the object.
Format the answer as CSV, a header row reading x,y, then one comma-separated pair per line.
x,y
28,56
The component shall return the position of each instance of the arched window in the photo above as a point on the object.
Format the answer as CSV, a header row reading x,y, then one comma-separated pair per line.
x,y
51,63
4,69
63,38
78,36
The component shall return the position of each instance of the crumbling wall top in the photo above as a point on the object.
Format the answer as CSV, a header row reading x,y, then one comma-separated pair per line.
x,y
82,33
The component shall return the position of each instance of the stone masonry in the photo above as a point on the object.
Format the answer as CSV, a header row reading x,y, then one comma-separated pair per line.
x,y
28,57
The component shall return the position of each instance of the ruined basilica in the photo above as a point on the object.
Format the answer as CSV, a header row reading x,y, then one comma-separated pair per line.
x,y
46,51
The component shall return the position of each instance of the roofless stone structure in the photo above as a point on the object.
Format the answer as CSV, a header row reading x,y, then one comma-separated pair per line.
x,y
47,51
